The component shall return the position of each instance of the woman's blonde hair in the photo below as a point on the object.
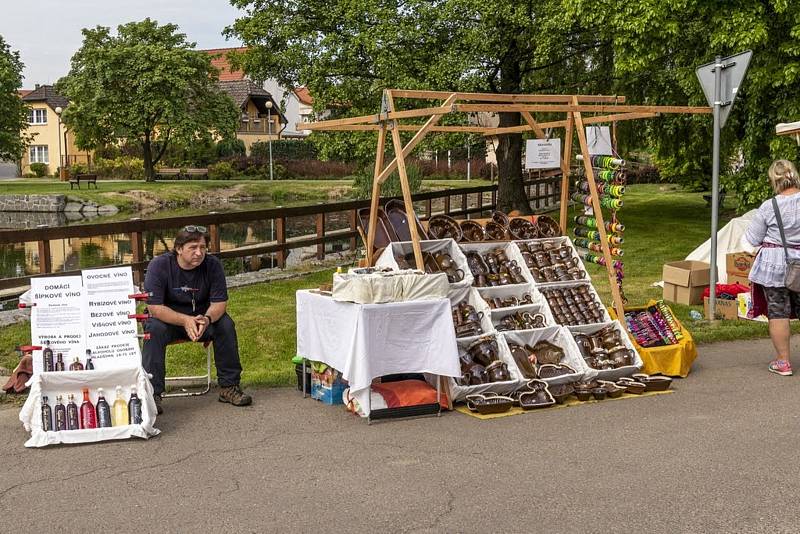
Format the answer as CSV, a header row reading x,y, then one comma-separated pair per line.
x,y
783,175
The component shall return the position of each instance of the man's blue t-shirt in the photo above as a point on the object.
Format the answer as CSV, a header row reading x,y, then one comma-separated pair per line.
x,y
186,291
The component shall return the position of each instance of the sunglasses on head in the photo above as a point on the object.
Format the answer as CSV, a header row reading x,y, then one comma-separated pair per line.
x,y
193,228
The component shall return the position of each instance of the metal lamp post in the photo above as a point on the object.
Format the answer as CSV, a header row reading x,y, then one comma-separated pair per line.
x,y
58,111
269,138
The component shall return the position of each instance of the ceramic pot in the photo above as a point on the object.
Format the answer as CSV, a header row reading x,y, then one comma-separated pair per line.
x,y
497,371
547,352
484,350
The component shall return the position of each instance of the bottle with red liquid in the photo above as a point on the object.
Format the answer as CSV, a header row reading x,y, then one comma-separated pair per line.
x,y
76,365
134,408
73,422
47,415
60,362
88,414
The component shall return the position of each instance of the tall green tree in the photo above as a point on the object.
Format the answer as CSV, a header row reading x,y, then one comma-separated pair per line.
x,y
657,45
348,52
13,111
145,84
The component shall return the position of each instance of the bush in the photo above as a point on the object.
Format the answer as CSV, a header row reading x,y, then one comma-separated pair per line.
x,y
362,184
39,169
644,174
318,170
285,149
78,168
221,171
121,168
230,147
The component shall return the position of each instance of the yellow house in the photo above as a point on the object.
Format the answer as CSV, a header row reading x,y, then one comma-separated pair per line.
x,y
52,143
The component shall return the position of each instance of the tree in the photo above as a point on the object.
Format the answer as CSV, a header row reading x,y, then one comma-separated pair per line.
x,y
145,85
348,52
13,111
656,48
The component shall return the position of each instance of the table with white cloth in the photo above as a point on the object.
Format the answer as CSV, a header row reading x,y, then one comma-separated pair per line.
x,y
367,341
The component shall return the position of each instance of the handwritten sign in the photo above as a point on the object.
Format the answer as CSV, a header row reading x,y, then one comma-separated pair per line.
x,y
57,318
110,335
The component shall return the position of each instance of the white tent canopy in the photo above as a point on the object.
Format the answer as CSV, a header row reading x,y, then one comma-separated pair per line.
x,y
729,239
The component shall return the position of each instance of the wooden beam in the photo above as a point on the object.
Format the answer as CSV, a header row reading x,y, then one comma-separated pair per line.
x,y
505,97
420,135
409,204
565,170
371,119
583,108
598,215
376,195
402,127
533,124
562,124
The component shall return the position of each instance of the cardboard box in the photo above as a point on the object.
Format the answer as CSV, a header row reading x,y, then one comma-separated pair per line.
x,y
739,263
687,273
684,281
735,278
725,309
745,306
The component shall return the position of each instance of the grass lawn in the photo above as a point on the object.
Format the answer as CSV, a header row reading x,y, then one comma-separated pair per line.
x,y
181,192
663,224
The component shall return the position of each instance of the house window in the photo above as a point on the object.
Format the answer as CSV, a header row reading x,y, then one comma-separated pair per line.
x,y
39,154
37,116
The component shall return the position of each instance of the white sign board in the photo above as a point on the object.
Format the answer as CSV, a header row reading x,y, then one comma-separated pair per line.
x,y
598,138
57,318
110,335
543,154
76,313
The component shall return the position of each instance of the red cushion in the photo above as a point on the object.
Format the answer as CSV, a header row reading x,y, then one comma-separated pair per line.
x,y
408,393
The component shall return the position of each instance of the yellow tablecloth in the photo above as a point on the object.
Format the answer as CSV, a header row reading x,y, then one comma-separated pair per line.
x,y
669,360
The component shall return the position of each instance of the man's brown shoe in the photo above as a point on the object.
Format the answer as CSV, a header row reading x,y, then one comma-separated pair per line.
x,y
235,396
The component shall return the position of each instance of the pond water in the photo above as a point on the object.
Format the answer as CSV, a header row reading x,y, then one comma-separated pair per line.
x,y
22,259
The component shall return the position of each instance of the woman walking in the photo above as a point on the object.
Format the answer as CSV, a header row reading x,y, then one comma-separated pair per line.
x,y
782,212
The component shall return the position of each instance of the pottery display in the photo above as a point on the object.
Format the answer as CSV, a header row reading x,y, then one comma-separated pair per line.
x,y
444,227
525,359
548,353
466,320
604,349
522,321
508,302
522,229
472,231
572,306
549,370
561,392
489,403
494,268
496,232
632,386
653,383
548,227
440,262
536,395
483,350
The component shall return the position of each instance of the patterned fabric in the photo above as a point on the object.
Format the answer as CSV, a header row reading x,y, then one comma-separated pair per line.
x,y
781,302
769,267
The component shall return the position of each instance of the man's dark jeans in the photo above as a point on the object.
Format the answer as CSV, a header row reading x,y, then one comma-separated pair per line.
x,y
226,350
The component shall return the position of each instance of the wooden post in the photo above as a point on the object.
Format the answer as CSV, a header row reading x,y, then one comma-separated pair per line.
x,y
565,163
213,231
353,228
376,194
598,215
428,208
494,199
401,169
280,238
447,204
480,204
320,222
45,260
137,247
463,202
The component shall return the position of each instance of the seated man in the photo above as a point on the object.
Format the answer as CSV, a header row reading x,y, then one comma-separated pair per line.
x,y
188,298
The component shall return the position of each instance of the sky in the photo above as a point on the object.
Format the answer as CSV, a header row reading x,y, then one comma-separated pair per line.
x,y
47,32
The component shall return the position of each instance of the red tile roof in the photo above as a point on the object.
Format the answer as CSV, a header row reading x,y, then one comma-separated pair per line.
x,y
304,95
221,62
24,92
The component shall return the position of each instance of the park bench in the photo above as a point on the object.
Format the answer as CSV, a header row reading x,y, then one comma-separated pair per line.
x,y
88,179
169,171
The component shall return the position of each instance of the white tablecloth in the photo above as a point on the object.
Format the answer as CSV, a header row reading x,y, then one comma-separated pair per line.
x,y
365,341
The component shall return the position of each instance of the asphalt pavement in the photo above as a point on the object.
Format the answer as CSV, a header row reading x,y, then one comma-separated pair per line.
x,y
718,455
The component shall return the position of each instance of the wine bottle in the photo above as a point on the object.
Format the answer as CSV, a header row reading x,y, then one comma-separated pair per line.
x,y
47,357
47,415
61,414
76,365
134,408
60,362
119,414
72,414
89,364
88,415
103,410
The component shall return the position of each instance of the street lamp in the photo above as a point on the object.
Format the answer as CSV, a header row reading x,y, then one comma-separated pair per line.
x,y
58,111
269,138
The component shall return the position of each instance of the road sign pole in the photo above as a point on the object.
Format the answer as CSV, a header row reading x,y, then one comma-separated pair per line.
x,y
712,294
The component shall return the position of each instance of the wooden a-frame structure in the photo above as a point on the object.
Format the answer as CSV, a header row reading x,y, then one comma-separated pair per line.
x,y
604,109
